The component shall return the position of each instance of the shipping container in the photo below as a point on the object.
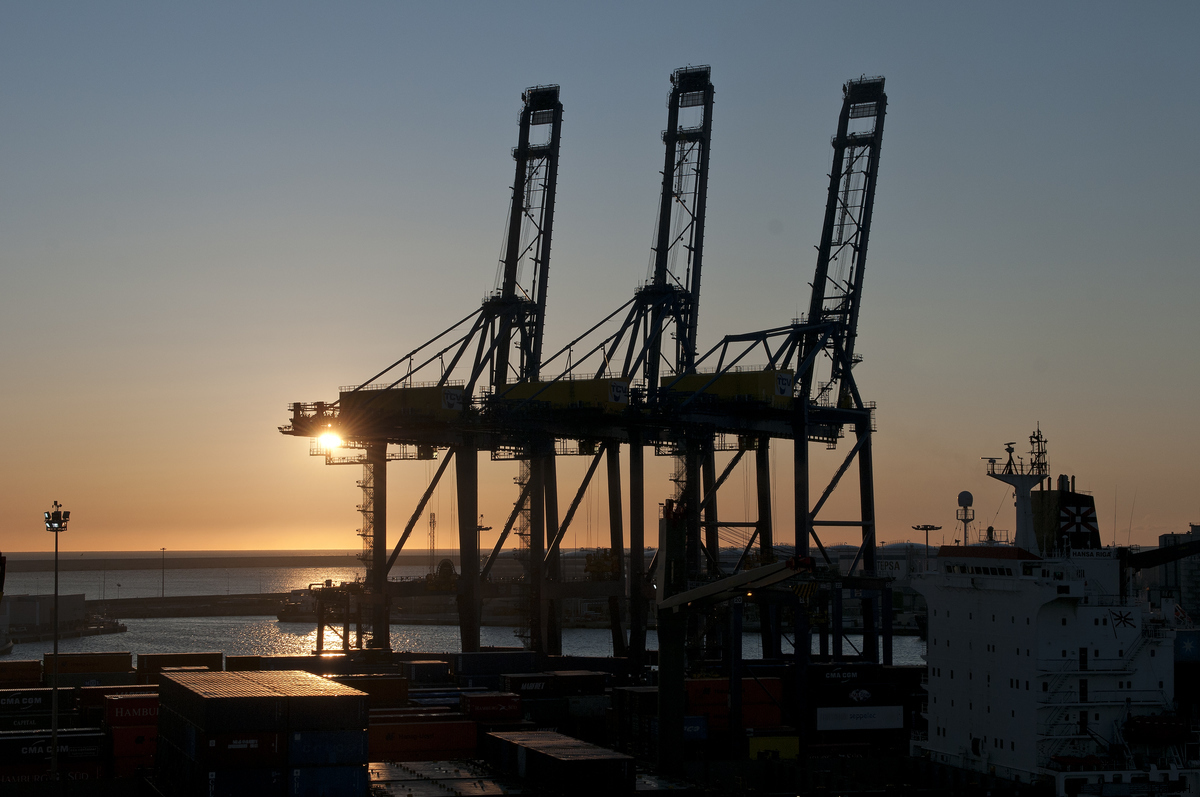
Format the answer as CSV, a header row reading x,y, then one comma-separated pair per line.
x,y
528,684
33,747
326,664
221,750
715,692
77,679
491,705
426,672
130,710
35,701
242,663
493,662
115,662
91,699
610,395
263,782
769,387
554,761
326,748
422,741
383,691
349,781
223,702
315,703
490,683
546,712
133,740
587,706
20,674
774,746
435,403
578,682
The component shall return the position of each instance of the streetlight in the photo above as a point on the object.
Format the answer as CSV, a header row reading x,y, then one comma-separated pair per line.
x,y
164,571
56,522
926,528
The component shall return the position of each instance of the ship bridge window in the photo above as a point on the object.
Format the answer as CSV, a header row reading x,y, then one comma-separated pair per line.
x,y
1064,621
1105,621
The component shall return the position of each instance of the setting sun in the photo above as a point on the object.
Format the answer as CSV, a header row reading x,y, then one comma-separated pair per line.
x,y
330,440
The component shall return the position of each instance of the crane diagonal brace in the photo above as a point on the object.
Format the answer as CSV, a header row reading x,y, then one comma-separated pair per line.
x,y
512,518
587,479
412,521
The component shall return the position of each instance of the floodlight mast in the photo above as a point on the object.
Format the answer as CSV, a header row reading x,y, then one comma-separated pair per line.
x,y
56,522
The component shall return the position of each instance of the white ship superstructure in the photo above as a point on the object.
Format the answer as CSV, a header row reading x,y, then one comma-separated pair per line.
x,y
1041,667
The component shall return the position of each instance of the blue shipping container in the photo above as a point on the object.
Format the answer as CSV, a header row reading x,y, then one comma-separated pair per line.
x,y
695,729
327,781
327,748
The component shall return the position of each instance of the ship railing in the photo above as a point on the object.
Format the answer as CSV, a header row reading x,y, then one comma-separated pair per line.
x,y
1137,697
919,736
1070,666
1093,599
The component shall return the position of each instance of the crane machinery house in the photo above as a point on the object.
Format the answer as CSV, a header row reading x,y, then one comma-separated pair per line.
x,y
1041,666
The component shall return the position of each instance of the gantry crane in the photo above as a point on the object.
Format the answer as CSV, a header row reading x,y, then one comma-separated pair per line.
x,y
504,335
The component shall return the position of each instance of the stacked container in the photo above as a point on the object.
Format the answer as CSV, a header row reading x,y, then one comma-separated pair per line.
x,y
559,763
326,737
261,733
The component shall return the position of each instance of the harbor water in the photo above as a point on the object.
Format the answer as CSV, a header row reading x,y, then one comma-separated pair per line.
x,y
263,635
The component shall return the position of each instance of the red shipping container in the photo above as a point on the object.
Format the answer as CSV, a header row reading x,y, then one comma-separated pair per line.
x,y
131,741
491,705
94,696
130,710
761,716
715,692
421,741
132,766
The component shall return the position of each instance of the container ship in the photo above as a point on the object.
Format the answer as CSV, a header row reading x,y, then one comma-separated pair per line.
x,y
1044,666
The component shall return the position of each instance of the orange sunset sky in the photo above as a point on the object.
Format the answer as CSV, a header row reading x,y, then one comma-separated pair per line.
x,y
208,212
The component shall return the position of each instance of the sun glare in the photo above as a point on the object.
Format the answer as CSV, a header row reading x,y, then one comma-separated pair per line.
x,y
330,440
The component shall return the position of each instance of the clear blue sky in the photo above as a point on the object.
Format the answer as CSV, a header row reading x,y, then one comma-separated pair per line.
x,y
210,210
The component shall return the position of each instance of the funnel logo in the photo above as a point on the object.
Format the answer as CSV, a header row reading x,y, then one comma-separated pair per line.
x,y
1075,519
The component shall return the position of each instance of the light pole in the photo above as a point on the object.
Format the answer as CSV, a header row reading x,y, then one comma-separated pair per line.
x,y
164,572
926,528
56,522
